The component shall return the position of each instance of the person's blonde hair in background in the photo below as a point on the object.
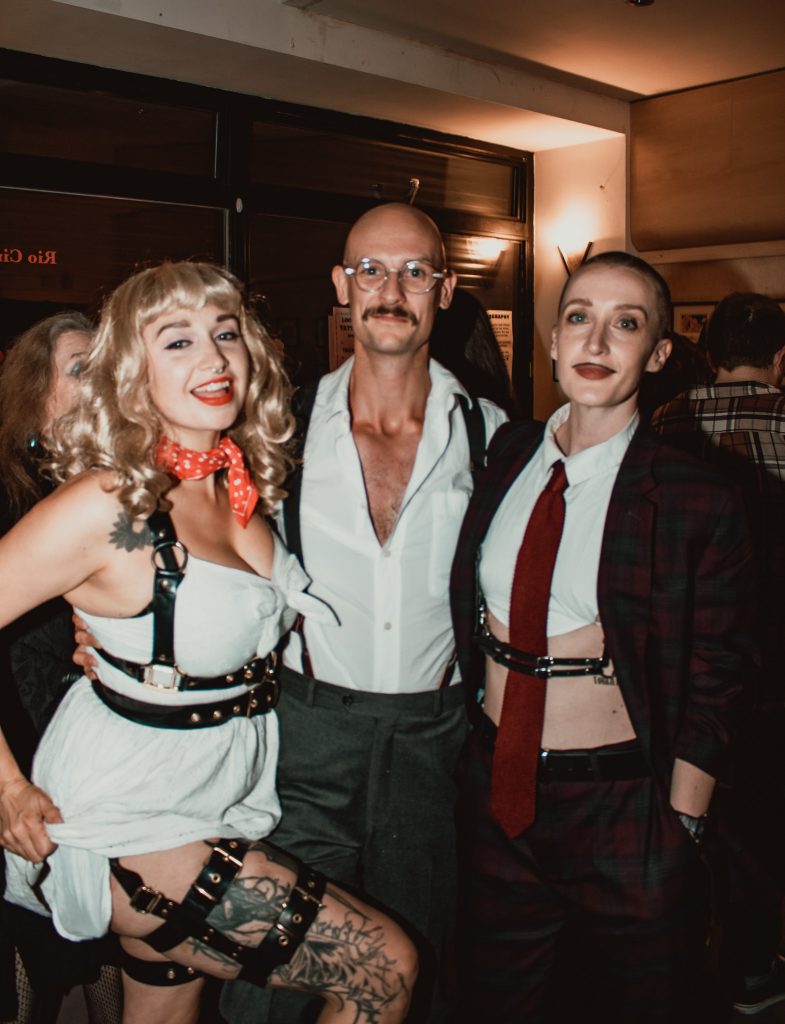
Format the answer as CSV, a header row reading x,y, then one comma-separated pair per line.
x,y
36,385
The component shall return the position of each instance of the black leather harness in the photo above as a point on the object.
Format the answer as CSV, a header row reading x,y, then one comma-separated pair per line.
x,y
161,673
542,666
188,919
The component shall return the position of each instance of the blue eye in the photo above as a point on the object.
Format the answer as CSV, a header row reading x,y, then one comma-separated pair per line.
x,y
177,343
75,370
228,335
576,318
628,323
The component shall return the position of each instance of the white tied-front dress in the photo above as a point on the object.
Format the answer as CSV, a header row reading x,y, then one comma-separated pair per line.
x,y
124,788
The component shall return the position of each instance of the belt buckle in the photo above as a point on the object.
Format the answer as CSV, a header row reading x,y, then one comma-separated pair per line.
x,y
152,896
161,677
227,856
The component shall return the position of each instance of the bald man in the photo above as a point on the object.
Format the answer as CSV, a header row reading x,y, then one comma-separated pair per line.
x,y
372,718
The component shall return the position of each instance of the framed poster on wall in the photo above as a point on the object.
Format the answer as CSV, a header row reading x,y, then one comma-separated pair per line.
x,y
689,318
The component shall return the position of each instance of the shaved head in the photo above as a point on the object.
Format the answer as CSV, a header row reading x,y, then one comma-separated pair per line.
x,y
395,219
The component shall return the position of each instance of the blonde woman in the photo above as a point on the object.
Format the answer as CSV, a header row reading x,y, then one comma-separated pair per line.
x,y
153,784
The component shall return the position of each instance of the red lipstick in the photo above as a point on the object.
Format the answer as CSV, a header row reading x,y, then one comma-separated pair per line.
x,y
593,371
219,391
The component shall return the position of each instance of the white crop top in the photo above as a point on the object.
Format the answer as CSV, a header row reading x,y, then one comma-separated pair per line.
x,y
591,474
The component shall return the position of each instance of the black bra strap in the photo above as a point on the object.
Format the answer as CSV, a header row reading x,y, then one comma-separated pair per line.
x,y
169,573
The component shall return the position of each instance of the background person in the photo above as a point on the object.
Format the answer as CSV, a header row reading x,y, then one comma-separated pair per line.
x,y
687,367
463,342
38,384
738,424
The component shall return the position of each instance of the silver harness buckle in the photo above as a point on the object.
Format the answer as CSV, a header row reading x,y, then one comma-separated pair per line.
x,y
162,677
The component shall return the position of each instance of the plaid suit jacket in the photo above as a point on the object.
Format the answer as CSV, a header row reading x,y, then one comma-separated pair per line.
x,y
676,593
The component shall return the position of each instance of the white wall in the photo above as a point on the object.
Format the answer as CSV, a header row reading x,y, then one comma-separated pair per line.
x,y
580,195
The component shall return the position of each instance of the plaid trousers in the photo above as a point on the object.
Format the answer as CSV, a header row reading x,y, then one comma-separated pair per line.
x,y
606,870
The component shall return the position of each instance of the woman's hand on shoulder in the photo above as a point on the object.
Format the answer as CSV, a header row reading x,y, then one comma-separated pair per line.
x,y
25,810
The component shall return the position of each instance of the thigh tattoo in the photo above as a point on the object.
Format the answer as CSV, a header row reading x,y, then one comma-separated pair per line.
x,y
345,952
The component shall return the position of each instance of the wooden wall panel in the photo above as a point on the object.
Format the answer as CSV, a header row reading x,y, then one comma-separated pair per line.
x,y
708,165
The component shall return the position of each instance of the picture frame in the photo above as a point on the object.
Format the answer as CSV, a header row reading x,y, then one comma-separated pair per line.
x,y
689,318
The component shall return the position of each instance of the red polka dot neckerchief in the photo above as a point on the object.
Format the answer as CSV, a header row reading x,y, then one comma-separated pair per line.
x,y
187,464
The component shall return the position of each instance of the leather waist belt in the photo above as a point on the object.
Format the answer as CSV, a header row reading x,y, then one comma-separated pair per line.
x,y
601,764
542,666
258,700
167,677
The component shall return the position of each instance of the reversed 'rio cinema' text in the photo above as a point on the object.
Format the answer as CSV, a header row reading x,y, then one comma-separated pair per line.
x,y
39,256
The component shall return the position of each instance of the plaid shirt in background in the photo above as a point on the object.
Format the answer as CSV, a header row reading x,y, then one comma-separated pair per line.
x,y
745,420
741,427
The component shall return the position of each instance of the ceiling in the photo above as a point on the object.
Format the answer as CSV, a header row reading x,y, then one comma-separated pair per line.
x,y
673,44
530,74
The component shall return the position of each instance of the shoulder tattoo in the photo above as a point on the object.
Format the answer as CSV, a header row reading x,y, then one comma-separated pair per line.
x,y
130,535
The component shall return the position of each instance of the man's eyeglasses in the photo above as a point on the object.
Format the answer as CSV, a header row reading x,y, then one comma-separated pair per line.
x,y
415,276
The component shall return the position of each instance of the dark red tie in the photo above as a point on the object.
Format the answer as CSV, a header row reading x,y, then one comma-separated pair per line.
x,y
514,774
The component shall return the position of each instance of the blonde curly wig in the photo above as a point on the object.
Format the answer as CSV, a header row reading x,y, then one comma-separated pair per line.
x,y
116,427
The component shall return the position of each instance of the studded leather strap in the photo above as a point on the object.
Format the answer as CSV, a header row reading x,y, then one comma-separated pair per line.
x,y
188,919
289,929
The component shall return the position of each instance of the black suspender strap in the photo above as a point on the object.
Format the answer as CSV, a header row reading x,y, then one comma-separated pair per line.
x,y
302,407
475,430
169,573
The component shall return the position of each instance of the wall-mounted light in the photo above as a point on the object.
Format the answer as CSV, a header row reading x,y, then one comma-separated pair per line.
x,y
485,249
574,260
567,230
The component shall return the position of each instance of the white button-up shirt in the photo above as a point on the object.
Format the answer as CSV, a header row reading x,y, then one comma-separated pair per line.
x,y
394,633
591,474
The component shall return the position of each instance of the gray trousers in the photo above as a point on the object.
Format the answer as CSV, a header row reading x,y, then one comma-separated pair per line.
x,y
367,790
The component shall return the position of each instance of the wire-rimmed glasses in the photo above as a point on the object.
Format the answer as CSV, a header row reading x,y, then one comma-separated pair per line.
x,y
414,276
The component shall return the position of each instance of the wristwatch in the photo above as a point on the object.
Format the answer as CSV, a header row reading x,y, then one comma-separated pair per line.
x,y
694,826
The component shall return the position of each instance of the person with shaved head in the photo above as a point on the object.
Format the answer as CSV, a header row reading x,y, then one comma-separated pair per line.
x,y
372,715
